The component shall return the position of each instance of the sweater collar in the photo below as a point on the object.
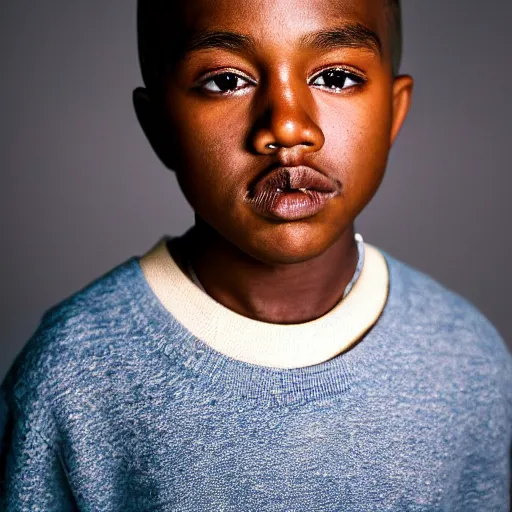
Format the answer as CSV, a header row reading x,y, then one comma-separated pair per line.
x,y
262,343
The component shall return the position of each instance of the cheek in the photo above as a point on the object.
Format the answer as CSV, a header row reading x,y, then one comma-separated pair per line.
x,y
208,123
210,153
357,133
208,134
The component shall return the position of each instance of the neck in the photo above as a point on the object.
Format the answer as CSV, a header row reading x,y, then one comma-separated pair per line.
x,y
274,293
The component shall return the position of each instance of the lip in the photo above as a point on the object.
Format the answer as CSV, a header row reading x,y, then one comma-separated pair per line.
x,y
291,193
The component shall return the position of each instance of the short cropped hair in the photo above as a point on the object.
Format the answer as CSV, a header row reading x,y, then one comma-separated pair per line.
x,y
395,34
154,51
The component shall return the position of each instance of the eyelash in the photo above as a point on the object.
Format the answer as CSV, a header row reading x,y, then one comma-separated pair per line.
x,y
357,80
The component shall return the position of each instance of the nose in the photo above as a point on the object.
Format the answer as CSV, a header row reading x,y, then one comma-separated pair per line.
x,y
287,119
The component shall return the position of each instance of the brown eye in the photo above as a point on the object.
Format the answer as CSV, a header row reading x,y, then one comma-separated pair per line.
x,y
337,79
223,83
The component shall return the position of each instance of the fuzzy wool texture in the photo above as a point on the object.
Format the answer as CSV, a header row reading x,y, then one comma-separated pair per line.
x,y
114,406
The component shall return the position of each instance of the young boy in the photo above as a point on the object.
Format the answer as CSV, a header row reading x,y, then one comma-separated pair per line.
x,y
268,359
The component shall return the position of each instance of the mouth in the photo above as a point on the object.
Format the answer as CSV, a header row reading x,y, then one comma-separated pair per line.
x,y
292,193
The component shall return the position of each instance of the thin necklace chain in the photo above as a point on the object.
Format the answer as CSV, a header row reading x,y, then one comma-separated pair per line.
x,y
193,275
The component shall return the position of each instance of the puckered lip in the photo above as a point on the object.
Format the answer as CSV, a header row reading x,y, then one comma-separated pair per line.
x,y
293,178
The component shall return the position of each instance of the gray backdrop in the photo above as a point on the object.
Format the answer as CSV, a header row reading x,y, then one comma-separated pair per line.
x,y
82,191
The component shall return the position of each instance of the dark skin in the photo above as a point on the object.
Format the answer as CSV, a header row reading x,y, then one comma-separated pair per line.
x,y
268,269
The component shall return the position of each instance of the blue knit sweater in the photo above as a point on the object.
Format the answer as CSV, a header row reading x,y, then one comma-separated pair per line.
x,y
115,406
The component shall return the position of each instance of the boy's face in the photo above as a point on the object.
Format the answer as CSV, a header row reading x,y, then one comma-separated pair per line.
x,y
328,103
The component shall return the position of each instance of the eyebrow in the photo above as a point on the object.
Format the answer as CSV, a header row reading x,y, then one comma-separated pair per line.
x,y
346,36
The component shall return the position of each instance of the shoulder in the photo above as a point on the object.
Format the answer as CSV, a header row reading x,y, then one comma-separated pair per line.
x,y
445,322
445,331
85,327
447,335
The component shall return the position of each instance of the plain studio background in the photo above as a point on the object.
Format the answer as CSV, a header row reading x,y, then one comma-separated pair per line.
x,y
82,191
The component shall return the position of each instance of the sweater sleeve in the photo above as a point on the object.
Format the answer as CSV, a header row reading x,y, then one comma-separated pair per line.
x,y
32,477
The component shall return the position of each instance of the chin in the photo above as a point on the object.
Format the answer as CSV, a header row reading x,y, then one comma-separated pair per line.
x,y
286,246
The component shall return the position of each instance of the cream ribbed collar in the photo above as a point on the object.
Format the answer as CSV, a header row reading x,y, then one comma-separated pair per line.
x,y
262,343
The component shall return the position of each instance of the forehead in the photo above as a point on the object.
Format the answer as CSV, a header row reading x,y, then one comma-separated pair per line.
x,y
200,10
277,20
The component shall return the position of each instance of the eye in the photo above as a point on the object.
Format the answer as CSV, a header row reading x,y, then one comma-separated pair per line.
x,y
337,79
224,83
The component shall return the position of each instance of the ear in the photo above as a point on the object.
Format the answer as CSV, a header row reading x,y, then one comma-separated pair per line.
x,y
152,123
402,97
